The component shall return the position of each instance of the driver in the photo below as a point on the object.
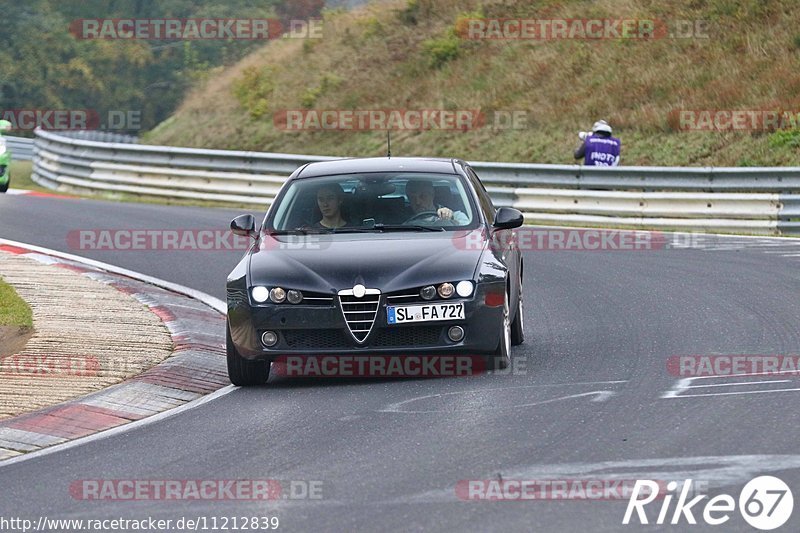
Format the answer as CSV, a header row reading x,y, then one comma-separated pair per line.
x,y
420,196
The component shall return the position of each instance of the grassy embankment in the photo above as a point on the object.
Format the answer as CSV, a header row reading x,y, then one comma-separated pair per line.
x,y
408,54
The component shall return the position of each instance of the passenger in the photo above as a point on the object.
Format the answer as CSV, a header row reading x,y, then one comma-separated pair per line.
x,y
329,201
420,196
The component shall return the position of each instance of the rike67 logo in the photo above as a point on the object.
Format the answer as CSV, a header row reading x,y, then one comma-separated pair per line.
x,y
765,503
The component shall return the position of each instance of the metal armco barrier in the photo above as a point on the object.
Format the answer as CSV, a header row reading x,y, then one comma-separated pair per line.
x,y
21,147
735,200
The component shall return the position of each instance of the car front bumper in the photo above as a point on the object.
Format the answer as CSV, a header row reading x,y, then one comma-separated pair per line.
x,y
322,330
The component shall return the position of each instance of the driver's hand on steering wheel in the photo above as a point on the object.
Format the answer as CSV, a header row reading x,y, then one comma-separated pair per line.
x,y
445,213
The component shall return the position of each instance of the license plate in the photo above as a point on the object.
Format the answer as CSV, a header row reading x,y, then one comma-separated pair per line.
x,y
424,313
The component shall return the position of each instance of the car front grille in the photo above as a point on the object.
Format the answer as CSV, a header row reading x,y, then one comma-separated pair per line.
x,y
391,337
404,298
317,339
317,298
360,313
408,336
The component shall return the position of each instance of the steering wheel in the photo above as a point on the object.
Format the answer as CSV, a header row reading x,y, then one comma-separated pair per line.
x,y
432,215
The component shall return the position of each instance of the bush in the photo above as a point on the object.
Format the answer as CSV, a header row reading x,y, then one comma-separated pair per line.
x,y
790,138
254,89
442,50
372,27
312,94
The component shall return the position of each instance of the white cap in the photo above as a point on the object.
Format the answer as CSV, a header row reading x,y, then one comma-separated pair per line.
x,y
601,125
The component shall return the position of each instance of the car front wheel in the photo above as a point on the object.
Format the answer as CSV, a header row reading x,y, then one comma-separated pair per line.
x,y
502,356
518,326
242,372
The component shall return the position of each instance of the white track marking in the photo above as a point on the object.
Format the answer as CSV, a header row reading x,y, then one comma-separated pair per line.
x,y
599,396
737,393
738,384
685,384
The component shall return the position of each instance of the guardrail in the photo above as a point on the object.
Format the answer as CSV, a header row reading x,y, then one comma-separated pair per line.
x,y
21,147
738,200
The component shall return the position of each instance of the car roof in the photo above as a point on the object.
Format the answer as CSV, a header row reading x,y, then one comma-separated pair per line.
x,y
378,164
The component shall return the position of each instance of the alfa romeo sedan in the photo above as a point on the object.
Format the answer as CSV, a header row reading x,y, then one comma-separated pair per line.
x,y
376,256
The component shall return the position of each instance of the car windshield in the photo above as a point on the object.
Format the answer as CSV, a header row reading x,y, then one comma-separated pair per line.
x,y
373,202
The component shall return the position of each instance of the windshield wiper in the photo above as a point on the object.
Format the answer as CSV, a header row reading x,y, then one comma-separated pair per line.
x,y
407,227
350,230
368,229
297,231
319,231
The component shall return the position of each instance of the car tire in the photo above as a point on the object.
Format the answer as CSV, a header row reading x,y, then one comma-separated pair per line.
x,y
241,372
4,186
518,325
501,358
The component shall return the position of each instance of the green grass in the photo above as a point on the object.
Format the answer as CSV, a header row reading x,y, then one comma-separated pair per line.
x,y
405,55
13,309
21,177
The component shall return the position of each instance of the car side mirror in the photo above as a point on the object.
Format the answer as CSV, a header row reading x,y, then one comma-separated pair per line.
x,y
508,218
244,225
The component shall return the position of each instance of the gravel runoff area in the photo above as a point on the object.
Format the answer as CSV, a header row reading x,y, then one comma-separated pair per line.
x,y
87,336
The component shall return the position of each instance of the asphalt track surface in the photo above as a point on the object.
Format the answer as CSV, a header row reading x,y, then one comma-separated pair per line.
x,y
600,328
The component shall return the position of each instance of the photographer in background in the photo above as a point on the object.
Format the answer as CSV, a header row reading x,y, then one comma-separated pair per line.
x,y
599,148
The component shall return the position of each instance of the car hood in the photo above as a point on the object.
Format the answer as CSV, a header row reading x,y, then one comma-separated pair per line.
x,y
385,261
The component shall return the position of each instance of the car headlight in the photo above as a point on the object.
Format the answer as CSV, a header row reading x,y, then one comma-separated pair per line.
x,y
277,295
446,290
464,288
428,293
294,297
260,294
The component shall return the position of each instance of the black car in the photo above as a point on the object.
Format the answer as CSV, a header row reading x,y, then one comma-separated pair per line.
x,y
378,256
